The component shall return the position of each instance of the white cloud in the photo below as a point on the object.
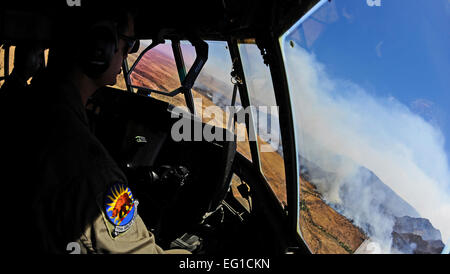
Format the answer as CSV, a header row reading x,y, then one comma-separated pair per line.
x,y
378,49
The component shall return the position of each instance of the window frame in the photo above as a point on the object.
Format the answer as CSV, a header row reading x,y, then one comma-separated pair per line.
x,y
283,75
6,58
273,44
270,43
202,55
189,99
286,121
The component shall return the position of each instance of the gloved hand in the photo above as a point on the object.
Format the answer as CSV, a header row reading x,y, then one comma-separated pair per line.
x,y
188,242
162,183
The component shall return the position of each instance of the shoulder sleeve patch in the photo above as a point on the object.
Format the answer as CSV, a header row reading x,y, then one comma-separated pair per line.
x,y
119,208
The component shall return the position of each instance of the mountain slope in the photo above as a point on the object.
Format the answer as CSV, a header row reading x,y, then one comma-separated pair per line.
x,y
323,228
416,235
358,194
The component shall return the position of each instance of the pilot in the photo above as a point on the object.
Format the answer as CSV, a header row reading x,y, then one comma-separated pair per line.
x,y
72,195
28,59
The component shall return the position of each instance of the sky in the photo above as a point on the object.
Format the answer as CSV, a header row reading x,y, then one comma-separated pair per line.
x,y
400,48
371,84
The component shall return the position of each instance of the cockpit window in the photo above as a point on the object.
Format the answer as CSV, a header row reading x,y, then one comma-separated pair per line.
x,y
157,70
7,61
265,118
6,68
369,87
212,91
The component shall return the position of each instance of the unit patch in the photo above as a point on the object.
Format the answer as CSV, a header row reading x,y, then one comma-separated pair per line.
x,y
120,208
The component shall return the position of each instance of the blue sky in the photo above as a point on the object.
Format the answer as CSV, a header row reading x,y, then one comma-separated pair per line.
x,y
399,49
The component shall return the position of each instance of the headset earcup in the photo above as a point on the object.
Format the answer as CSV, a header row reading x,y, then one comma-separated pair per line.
x,y
100,46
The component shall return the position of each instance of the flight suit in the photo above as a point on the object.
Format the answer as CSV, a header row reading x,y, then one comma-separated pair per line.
x,y
73,183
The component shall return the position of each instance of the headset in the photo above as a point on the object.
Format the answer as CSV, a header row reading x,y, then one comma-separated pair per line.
x,y
101,43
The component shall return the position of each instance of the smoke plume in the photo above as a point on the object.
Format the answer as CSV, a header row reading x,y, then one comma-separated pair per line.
x,y
342,127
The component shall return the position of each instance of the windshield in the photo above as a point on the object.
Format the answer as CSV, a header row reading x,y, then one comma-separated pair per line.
x,y
370,92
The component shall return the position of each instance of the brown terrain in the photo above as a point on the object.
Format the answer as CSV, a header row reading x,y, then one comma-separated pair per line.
x,y
325,230
2,60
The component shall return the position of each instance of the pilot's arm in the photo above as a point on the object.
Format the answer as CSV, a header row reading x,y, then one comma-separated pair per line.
x,y
119,228
98,238
94,206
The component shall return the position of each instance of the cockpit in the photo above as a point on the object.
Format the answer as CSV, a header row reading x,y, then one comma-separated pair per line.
x,y
271,128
